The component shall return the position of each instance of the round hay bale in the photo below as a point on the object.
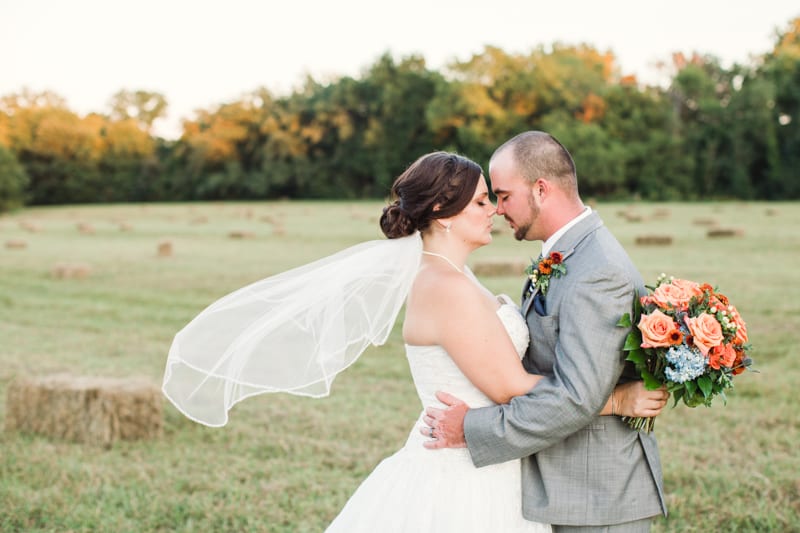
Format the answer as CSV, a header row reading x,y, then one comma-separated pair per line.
x,y
16,244
704,221
164,248
630,216
71,270
499,267
241,234
30,227
724,232
654,240
85,228
199,220
125,226
279,229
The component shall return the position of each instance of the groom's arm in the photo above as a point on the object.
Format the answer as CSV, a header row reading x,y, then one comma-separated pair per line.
x,y
588,363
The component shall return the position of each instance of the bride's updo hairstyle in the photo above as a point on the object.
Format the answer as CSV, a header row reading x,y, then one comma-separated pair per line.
x,y
437,179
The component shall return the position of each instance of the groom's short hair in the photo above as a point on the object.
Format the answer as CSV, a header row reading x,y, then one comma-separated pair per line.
x,y
540,155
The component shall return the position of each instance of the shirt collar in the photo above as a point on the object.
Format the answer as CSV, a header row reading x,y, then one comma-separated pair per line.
x,y
548,244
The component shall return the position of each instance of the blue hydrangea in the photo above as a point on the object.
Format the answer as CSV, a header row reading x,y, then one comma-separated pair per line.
x,y
687,364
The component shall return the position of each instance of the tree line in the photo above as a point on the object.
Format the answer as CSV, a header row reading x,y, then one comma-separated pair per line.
x,y
710,132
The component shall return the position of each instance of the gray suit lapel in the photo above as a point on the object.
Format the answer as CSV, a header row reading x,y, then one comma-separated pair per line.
x,y
572,238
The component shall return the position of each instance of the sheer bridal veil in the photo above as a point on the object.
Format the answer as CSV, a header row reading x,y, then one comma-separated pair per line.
x,y
292,332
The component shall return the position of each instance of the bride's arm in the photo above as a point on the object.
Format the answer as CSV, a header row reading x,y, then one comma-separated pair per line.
x,y
471,332
469,329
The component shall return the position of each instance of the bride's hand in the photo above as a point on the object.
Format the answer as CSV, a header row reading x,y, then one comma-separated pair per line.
x,y
633,400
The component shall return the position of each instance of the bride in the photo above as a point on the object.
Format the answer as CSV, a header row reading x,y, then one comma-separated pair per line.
x,y
292,333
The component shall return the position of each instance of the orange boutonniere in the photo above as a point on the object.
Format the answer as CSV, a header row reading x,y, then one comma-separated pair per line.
x,y
541,270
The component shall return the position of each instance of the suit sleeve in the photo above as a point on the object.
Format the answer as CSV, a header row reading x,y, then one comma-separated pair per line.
x,y
588,364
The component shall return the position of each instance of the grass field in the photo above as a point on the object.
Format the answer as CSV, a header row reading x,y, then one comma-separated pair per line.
x,y
286,464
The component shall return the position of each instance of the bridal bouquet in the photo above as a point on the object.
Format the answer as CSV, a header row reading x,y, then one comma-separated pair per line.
x,y
688,337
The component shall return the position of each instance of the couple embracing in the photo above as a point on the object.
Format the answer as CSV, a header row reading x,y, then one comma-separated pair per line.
x,y
521,430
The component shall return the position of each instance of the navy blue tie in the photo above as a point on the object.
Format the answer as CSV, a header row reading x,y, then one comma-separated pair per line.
x,y
538,304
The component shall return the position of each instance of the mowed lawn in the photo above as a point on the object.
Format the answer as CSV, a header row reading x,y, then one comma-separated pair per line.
x,y
288,464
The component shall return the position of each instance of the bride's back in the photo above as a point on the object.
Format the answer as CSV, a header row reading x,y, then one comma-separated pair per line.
x,y
429,310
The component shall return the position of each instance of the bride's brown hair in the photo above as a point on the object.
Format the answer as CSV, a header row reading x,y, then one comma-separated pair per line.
x,y
439,179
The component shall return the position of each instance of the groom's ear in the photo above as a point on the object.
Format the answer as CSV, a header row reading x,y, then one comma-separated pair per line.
x,y
540,188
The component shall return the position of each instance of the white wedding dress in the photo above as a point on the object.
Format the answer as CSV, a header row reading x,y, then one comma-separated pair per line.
x,y
417,490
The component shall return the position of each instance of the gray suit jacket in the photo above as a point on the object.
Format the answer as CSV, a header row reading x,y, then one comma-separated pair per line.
x,y
577,468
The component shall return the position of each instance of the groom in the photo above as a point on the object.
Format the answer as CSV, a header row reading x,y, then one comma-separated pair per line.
x,y
580,472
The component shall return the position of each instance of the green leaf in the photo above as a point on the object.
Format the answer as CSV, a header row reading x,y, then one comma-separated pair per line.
x,y
691,388
650,381
637,357
632,342
677,395
625,321
704,382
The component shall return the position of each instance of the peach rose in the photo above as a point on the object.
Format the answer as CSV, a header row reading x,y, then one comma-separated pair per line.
x,y
741,327
721,355
676,294
706,331
656,329
689,287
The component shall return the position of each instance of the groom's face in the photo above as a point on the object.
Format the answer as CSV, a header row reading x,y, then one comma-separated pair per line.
x,y
515,198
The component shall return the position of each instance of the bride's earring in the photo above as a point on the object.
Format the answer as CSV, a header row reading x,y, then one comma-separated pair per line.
x,y
447,228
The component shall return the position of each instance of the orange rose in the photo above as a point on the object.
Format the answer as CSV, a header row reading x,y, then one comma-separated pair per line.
x,y
690,288
656,329
741,328
706,331
669,295
721,355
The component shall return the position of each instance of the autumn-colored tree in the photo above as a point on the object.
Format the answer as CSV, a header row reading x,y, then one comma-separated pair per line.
x,y
145,107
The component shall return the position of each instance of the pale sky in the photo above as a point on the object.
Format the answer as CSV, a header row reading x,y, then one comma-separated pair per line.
x,y
200,53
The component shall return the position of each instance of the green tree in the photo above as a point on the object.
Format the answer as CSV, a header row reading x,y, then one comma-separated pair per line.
x,y
643,122
782,68
13,181
702,91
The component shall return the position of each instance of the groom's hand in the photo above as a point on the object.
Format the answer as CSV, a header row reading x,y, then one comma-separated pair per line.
x,y
447,424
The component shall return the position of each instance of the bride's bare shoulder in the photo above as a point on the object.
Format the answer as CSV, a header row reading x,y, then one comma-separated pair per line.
x,y
437,296
439,286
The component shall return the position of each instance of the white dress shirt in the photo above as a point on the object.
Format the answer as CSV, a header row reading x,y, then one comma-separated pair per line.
x,y
548,244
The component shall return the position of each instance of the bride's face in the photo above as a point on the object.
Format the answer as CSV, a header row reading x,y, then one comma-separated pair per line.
x,y
474,223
